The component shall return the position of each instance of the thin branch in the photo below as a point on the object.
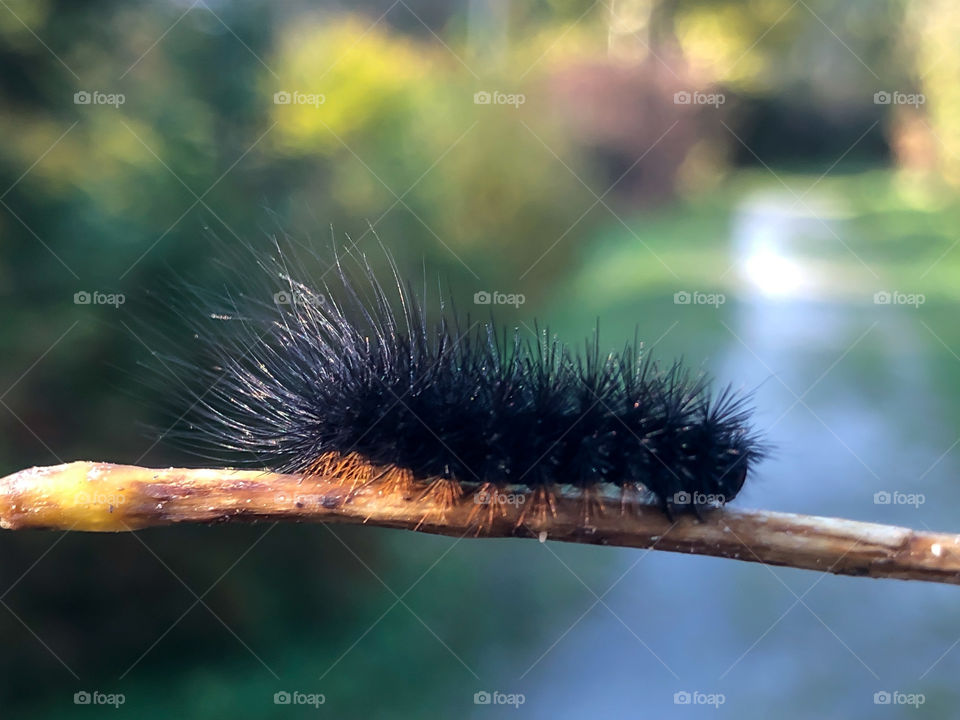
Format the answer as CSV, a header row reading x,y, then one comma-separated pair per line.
x,y
95,496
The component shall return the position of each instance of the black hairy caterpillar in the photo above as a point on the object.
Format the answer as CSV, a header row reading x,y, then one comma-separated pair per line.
x,y
351,381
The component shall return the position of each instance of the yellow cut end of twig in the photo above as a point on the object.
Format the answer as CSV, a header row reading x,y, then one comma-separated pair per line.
x,y
81,496
103,497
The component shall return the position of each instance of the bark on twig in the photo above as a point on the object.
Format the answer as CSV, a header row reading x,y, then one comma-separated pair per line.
x,y
94,496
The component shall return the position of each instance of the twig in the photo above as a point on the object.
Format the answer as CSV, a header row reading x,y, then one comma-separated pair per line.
x,y
96,496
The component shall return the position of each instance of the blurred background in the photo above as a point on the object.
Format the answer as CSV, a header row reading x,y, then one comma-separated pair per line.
x,y
765,188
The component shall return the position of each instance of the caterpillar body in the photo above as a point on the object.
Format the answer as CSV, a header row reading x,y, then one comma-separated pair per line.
x,y
348,378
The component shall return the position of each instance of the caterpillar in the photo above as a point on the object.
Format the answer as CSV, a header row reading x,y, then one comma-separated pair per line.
x,y
353,378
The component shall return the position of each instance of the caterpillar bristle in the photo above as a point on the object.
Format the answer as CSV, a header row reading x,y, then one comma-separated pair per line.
x,y
441,495
354,473
630,497
590,505
349,381
351,470
393,480
541,505
487,507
